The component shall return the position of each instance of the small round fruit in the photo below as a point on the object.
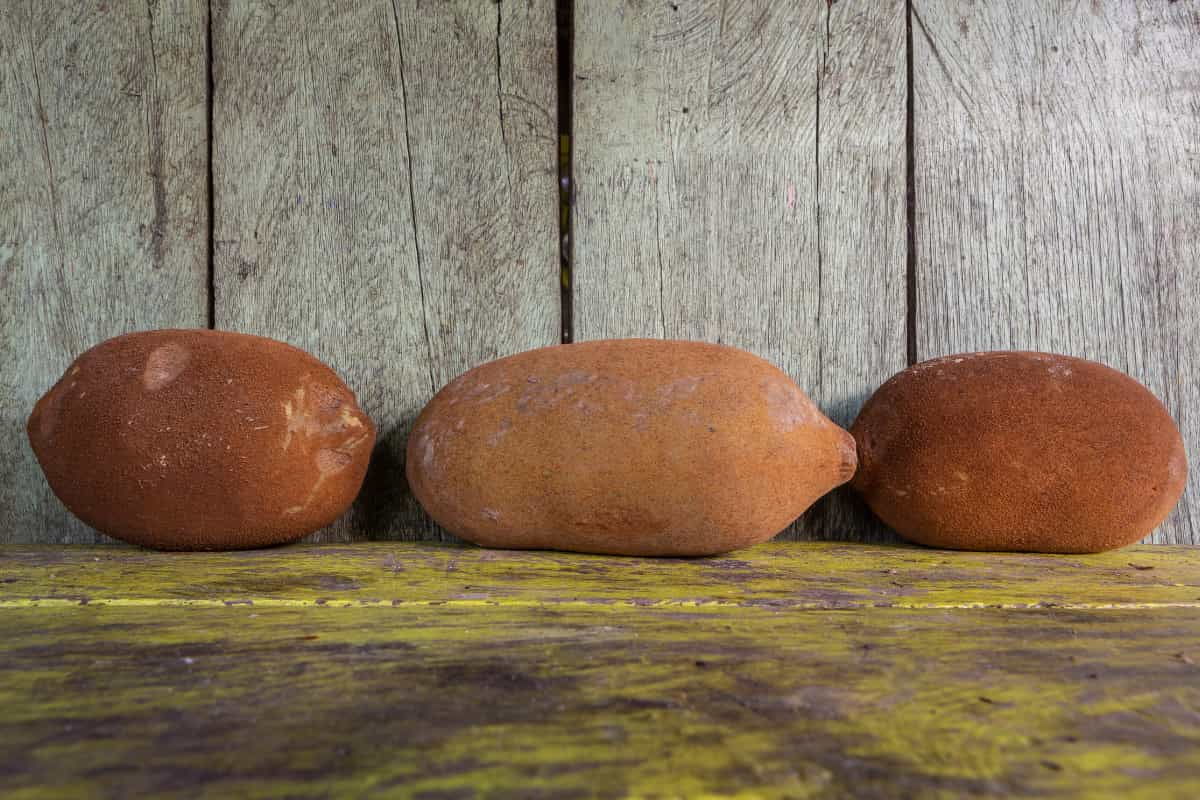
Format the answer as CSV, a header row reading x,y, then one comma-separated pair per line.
x,y
1018,451
201,440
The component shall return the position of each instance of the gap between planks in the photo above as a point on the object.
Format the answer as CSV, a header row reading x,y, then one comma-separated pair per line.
x,y
212,227
565,40
910,195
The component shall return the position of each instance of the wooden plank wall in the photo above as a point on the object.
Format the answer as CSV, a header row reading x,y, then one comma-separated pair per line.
x,y
1057,177
740,179
386,197
383,194
103,205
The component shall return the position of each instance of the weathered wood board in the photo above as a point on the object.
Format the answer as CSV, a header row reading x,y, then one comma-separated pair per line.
x,y
739,178
386,198
103,205
440,671
812,575
1057,177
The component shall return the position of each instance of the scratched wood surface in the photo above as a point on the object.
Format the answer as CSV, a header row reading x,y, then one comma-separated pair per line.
x,y
1057,177
739,178
385,198
407,670
103,205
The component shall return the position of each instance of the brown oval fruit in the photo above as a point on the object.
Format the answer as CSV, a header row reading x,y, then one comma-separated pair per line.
x,y
201,440
1018,451
637,447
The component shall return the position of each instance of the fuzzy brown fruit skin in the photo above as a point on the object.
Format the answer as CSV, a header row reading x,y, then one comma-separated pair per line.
x,y
201,440
632,447
1018,451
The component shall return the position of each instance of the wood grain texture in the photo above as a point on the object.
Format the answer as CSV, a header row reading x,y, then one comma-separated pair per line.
x,y
739,173
103,205
859,329
812,575
1057,170
385,198
554,686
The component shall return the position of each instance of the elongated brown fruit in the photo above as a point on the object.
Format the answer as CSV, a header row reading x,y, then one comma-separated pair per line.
x,y
201,440
1018,451
638,447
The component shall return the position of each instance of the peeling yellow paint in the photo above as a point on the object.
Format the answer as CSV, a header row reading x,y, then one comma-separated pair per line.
x,y
777,574
787,670
530,698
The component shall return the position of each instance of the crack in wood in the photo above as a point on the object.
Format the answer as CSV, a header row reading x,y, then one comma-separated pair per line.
x,y
956,90
712,51
154,144
500,106
662,305
412,200
52,183
821,72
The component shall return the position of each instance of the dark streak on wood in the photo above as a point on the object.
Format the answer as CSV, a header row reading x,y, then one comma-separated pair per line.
x,y
158,226
500,99
102,197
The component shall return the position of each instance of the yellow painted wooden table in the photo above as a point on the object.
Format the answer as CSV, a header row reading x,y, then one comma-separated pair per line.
x,y
436,671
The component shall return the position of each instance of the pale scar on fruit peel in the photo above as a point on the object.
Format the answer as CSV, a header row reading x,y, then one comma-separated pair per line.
x,y
303,413
502,429
163,365
334,459
328,460
786,405
48,411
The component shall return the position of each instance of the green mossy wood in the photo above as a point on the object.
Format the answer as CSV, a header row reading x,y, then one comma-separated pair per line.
x,y
786,670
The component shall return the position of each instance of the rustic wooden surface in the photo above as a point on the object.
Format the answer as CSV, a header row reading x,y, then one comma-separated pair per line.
x,y
813,575
103,205
1057,170
740,179
385,197
859,328
415,670
740,171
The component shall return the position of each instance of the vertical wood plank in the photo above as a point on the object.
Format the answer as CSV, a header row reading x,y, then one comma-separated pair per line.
x,y
103,205
861,321
386,198
1057,169
739,175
